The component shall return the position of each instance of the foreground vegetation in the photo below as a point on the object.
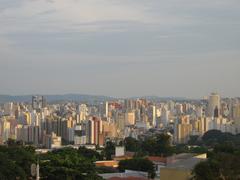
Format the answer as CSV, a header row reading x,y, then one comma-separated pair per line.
x,y
138,164
223,150
223,158
223,162
67,163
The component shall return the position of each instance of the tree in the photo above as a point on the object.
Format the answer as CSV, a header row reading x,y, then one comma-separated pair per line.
x,y
109,150
16,160
91,154
22,157
9,169
138,164
67,163
193,140
213,137
131,144
220,166
222,163
159,145
203,171
164,145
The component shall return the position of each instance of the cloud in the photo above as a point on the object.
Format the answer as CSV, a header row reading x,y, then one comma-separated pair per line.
x,y
64,14
150,42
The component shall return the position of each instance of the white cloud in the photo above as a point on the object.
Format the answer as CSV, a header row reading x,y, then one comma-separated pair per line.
x,y
93,15
39,15
118,39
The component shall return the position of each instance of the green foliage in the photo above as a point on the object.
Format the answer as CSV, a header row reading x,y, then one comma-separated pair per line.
x,y
223,163
15,161
109,150
138,164
90,154
9,169
194,140
220,166
132,144
213,137
158,145
203,171
67,163
104,169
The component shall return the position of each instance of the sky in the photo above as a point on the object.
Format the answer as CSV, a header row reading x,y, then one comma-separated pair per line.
x,y
120,48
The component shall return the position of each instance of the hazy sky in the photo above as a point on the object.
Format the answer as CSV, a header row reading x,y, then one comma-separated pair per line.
x,y
120,47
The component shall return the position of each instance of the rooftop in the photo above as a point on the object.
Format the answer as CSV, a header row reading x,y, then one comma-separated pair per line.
x,y
186,161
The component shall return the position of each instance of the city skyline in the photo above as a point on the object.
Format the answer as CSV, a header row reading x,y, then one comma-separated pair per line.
x,y
120,49
79,97
119,89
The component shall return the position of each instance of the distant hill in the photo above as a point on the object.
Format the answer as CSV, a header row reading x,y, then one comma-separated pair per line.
x,y
156,98
57,98
83,98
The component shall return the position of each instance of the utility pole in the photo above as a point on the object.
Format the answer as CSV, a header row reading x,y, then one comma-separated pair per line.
x,y
37,169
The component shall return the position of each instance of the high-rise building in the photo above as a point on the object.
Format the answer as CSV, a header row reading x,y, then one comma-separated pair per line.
x,y
130,118
83,112
5,130
52,141
182,130
165,116
213,105
153,116
38,102
106,109
80,136
8,108
120,123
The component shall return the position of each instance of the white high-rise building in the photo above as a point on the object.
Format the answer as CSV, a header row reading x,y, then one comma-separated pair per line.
x,y
153,116
8,108
165,116
83,112
106,109
213,104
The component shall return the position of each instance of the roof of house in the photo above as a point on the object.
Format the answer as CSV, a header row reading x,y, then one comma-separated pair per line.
x,y
127,178
158,159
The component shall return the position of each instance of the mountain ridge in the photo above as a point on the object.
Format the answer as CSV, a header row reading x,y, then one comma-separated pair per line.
x,y
78,97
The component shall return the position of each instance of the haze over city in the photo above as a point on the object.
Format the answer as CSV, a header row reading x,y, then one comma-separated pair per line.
x,y
120,48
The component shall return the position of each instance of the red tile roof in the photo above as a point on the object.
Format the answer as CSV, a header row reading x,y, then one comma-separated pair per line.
x,y
157,159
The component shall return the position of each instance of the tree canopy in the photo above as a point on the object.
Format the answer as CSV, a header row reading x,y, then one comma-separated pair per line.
x,y
109,150
67,163
223,163
138,164
15,161
159,145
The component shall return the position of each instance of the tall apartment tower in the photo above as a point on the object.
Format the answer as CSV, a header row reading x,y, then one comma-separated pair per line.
x,y
106,109
214,105
38,102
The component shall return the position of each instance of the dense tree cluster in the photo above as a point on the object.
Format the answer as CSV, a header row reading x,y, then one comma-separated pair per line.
x,y
223,161
109,150
138,164
159,145
223,158
67,163
15,162
214,137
